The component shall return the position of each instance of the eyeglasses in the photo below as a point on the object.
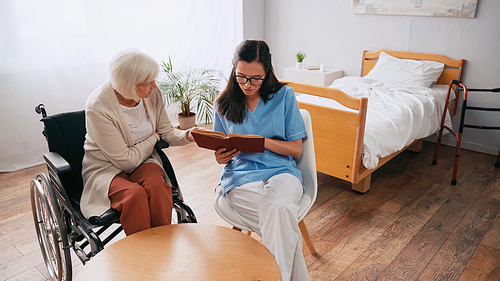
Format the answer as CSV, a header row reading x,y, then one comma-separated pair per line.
x,y
253,81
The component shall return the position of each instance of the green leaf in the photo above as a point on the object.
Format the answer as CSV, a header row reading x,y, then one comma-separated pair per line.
x,y
300,56
183,88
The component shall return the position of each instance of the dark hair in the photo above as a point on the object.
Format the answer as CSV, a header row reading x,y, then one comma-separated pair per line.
x,y
231,102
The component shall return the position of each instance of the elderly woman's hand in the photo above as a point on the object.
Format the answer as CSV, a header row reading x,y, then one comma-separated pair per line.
x,y
190,136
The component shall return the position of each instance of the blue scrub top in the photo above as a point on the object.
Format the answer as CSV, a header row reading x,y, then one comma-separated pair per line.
x,y
278,119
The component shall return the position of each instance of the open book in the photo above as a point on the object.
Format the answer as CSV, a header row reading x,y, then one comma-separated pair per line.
x,y
214,140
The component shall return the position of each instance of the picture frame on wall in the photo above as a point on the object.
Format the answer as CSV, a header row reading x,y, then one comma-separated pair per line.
x,y
431,8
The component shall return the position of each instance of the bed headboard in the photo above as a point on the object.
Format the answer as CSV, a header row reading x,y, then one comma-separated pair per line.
x,y
453,68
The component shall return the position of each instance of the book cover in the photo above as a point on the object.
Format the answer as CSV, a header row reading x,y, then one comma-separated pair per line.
x,y
214,140
312,67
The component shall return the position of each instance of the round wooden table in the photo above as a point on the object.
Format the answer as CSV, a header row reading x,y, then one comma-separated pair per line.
x,y
183,252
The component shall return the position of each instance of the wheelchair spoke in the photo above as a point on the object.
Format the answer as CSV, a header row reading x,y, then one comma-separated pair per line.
x,y
52,239
46,236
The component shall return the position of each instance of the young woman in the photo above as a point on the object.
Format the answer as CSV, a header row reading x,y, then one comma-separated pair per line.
x,y
125,117
264,188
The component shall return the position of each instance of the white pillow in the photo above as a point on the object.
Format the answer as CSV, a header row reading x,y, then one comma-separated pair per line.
x,y
415,72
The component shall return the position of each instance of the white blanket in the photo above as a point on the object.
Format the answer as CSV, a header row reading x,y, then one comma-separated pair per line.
x,y
397,115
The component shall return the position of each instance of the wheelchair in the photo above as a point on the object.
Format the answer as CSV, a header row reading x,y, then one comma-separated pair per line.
x,y
55,199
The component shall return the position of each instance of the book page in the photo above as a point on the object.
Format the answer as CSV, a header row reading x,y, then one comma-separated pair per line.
x,y
210,141
215,134
243,136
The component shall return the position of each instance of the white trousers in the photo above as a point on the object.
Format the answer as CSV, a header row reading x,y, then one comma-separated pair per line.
x,y
270,209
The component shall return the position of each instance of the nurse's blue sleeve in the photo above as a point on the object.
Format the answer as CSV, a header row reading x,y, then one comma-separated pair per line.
x,y
218,122
294,125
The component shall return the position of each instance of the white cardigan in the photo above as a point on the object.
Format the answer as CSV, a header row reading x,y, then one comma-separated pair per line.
x,y
109,147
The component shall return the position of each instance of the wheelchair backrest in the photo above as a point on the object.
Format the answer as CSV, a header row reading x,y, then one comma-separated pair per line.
x,y
65,134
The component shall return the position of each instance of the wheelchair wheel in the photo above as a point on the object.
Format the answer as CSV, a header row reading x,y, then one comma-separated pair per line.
x,y
50,228
184,212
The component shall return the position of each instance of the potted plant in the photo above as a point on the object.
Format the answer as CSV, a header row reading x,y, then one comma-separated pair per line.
x,y
300,57
184,89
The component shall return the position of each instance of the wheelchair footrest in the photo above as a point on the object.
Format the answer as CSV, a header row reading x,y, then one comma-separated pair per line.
x,y
109,217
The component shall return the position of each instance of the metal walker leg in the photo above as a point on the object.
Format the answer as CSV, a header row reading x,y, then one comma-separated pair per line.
x,y
458,137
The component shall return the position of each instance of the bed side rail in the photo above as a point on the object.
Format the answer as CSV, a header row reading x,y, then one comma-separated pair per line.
x,y
338,134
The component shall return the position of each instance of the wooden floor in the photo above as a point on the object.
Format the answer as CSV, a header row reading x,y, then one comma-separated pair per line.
x,y
411,225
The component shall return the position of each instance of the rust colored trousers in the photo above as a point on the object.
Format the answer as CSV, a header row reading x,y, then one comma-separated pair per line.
x,y
143,198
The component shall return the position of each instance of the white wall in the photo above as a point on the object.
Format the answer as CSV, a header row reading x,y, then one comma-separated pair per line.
x,y
58,54
253,19
21,132
332,35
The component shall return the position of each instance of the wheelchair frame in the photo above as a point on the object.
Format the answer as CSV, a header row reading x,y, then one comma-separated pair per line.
x,y
61,227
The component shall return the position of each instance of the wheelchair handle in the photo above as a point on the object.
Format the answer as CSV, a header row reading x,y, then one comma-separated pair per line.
x,y
40,109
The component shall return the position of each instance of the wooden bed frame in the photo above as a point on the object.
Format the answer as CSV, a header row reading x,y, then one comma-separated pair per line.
x,y
338,134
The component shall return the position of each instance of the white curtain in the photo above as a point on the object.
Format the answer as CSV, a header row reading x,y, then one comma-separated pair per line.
x,y
56,52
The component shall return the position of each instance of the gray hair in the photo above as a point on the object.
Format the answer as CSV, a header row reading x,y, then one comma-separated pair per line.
x,y
129,68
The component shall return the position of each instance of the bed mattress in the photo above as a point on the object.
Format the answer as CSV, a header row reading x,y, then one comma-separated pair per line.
x,y
397,114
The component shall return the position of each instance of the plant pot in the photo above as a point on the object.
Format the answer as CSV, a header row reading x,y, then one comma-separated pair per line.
x,y
186,122
299,64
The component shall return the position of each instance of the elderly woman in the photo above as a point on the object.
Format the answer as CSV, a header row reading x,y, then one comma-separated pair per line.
x,y
125,117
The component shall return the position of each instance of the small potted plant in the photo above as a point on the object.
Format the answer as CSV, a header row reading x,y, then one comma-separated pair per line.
x,y
300,57
184,89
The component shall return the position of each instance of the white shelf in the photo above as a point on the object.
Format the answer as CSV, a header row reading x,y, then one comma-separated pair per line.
x,y
316,77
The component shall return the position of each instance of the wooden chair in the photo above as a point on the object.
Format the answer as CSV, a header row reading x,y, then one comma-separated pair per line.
x,y
307,165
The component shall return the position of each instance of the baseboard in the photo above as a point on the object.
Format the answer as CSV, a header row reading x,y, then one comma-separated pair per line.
x,y
451,141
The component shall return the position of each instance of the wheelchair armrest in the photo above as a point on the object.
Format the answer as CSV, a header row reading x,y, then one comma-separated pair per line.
x,y
167,166
57,163
161,144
